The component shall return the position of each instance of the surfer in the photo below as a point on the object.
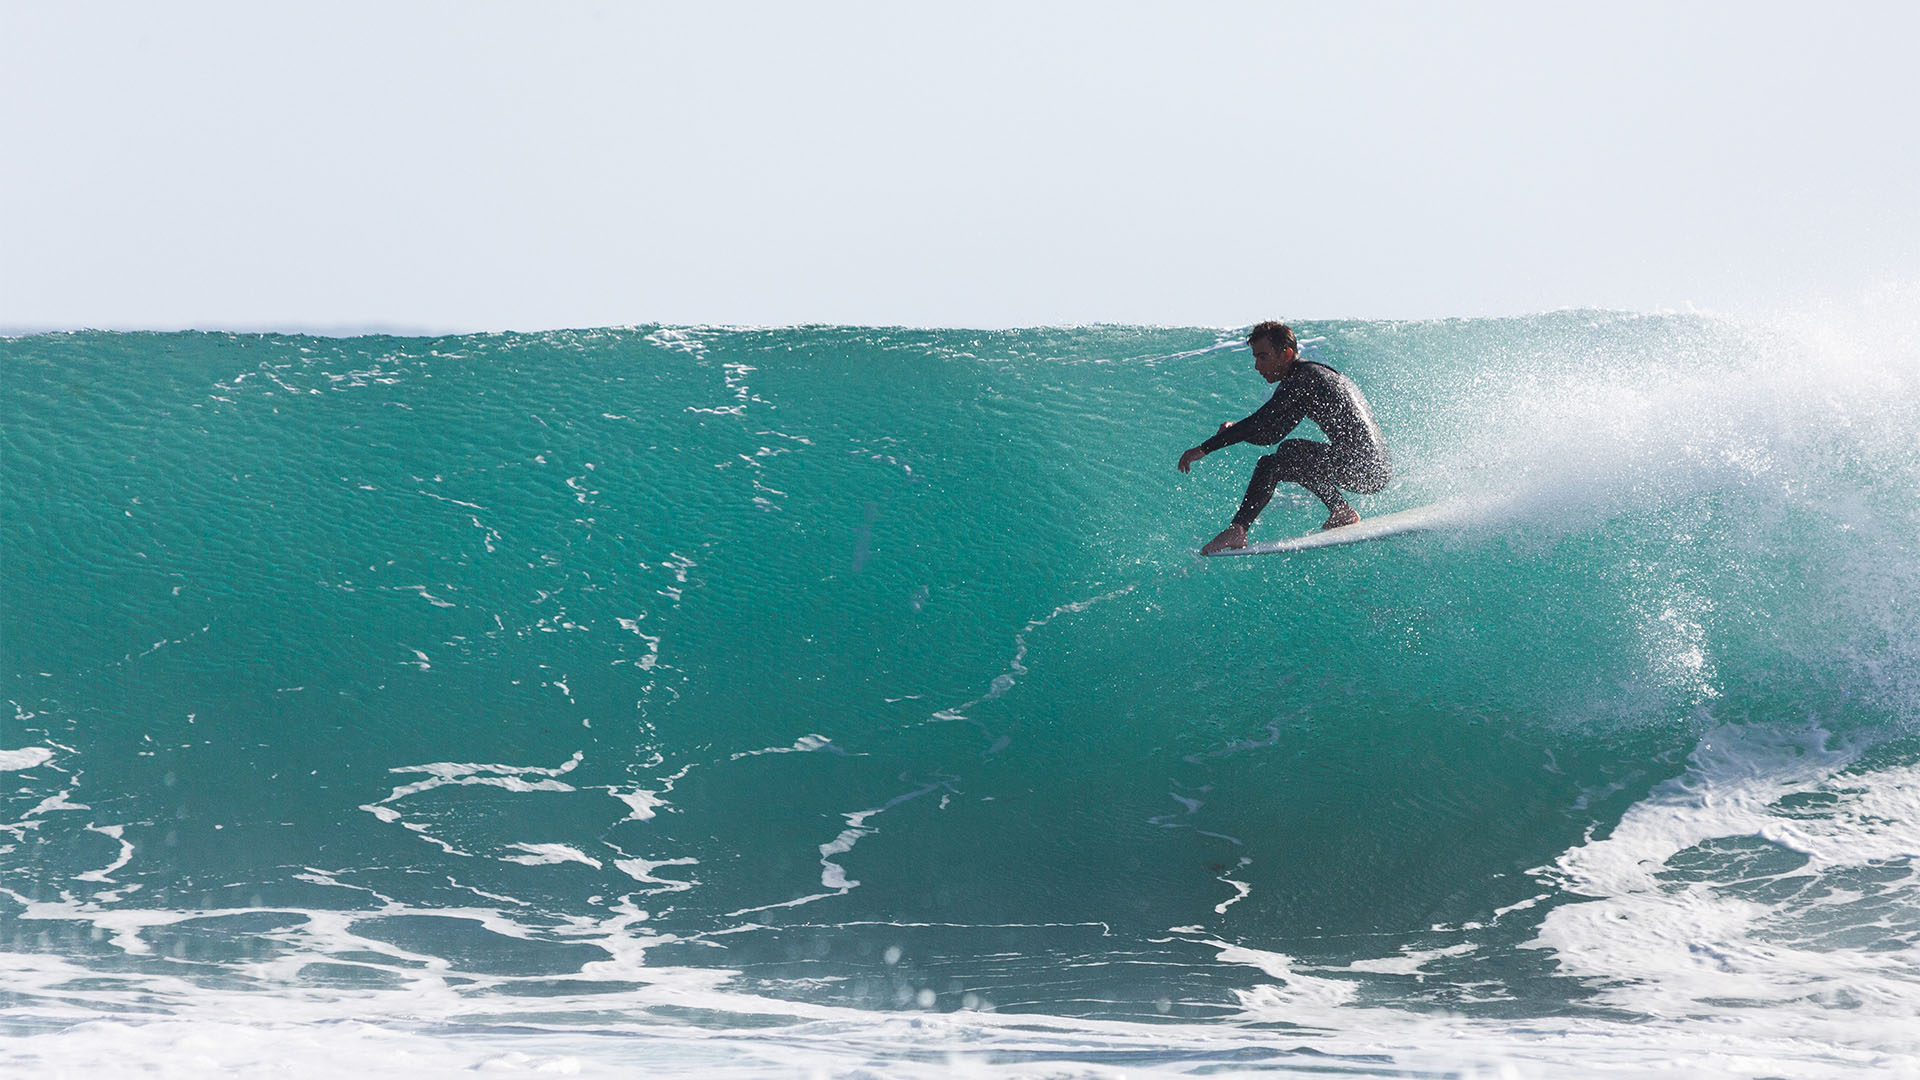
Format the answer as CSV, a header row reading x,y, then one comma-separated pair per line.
x,y
1354,457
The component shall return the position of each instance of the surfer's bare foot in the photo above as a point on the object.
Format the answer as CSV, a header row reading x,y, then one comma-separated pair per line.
x,y
1346,515
1233,536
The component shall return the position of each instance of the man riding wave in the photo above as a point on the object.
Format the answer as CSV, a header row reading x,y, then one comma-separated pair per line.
x,y
1354,458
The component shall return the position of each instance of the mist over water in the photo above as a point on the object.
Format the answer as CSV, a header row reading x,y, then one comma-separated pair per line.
x,y
835,698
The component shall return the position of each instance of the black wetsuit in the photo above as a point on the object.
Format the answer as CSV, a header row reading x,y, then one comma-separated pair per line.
x,y
1355,458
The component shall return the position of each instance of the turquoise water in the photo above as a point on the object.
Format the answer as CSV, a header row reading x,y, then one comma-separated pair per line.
x,y
836,698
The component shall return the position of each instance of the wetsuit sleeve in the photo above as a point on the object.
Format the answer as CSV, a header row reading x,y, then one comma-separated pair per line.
x,y
1268,425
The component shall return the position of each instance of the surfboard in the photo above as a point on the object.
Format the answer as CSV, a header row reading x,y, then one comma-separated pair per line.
x,y
1418,519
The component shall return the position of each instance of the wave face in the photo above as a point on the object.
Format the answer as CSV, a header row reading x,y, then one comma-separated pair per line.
x,y
842,698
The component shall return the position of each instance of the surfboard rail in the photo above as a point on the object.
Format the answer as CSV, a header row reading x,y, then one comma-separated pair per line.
x,y
1418,519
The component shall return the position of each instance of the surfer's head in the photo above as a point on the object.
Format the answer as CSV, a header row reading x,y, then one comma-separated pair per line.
x,y
1274,350
1280,334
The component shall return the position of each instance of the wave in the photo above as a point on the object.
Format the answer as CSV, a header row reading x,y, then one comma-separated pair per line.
x,y
850,676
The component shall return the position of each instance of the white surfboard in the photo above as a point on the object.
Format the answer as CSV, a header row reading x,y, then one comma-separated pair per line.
x,y
1419,519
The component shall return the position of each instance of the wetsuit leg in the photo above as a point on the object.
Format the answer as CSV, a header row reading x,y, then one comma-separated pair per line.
x,y
1312,465
1367,476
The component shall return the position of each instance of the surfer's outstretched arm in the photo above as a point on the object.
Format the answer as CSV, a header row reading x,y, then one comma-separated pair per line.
x,y
1264,426
1196,453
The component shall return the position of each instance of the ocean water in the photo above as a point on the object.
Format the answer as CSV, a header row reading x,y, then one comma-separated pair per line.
x,y
847,701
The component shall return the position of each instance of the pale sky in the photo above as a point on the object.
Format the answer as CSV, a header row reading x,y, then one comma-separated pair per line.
x,y
471,165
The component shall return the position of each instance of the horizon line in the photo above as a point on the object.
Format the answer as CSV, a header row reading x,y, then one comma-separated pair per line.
x,y
349,329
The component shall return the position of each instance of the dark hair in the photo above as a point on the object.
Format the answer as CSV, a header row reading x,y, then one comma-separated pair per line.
x,y
1279,334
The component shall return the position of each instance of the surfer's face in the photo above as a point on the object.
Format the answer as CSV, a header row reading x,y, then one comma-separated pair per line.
x,y
1270,362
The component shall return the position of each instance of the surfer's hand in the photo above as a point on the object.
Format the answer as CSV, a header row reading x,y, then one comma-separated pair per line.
x,y
1187,459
